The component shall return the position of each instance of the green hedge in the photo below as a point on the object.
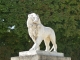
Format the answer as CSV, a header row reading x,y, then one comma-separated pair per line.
x,y
61,15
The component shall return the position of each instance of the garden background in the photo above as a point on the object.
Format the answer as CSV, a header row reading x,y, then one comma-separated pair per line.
x,y
61,15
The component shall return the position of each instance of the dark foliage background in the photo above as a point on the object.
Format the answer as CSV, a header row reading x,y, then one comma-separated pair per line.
x,y
61,15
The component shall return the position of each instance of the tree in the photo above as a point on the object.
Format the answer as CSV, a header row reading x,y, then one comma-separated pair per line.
x,y
61,15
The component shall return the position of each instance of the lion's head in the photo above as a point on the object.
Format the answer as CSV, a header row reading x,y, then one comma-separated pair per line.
x,y
34,18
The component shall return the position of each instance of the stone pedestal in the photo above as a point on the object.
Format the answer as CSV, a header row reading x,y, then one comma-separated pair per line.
x,y
40,55
25,53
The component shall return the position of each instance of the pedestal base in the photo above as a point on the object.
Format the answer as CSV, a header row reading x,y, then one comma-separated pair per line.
x,y
34,52
40,55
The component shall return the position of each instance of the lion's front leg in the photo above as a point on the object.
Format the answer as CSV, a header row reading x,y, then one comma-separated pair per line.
x,y
38,48
36,44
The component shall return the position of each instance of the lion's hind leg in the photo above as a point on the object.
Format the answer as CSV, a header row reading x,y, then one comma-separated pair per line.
x,y
47,41
53,40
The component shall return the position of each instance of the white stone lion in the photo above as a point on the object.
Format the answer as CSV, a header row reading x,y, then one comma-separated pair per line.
x,y
38,32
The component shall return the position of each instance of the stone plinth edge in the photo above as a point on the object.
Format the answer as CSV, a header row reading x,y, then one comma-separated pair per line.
x,y
34,52
40,57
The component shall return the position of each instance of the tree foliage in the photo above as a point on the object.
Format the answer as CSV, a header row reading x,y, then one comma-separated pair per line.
x,y
61,15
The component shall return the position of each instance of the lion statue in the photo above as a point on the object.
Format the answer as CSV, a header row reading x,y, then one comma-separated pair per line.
x,y
39,32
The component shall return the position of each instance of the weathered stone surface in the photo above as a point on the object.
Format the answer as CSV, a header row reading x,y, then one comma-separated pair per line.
x,y
30,57
40,57
15,58
34,52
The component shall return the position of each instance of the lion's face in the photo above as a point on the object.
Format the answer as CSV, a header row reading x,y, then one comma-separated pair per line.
x,y
33,18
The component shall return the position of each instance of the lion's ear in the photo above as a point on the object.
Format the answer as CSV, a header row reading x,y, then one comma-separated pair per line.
x,y
37,15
